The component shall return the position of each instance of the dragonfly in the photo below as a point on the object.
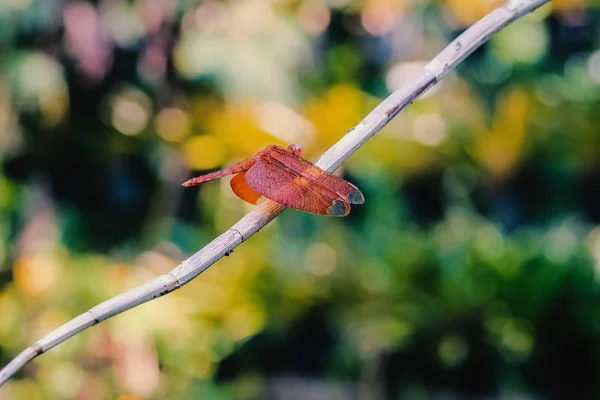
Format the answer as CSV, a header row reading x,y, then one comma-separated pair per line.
x,y
282,175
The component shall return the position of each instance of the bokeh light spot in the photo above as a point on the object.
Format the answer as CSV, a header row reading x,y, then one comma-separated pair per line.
x,y
430,129
130,111
128,116
136,367
453,350
593,246
284,123
320,259
172,124
509,46
314,17
402,72
379,17
66,372
123,23
594,66
560,244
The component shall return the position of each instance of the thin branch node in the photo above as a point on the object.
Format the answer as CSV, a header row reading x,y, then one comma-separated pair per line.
x,y
95,319
37,349
177,283
239,233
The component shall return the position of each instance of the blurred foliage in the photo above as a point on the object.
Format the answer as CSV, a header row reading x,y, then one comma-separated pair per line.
x,y
471,269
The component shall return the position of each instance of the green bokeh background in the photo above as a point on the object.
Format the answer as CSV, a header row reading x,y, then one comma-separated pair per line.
x,y
471,271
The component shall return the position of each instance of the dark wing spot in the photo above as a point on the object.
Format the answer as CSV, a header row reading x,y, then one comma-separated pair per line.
x,y
356,197
338,209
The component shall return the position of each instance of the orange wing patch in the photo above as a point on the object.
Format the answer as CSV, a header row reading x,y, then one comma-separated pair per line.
x,y
242,190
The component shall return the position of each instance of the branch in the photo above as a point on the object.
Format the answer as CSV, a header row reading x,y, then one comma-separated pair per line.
x,y
443,63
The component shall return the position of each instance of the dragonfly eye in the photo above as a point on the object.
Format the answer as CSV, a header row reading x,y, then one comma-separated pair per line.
x,y
296,149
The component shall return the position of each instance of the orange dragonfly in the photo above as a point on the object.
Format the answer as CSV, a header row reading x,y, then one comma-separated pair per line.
x,y
282,175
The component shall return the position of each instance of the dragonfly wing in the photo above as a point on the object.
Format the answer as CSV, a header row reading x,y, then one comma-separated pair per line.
x,y
344,189
292,190
242,190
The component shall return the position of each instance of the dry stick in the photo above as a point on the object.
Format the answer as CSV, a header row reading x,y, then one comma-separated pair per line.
x,y
445,61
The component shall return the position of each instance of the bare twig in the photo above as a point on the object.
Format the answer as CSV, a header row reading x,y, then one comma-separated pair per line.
x,y
445,61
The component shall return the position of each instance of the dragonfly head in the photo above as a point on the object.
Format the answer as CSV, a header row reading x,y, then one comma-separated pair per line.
x,y
296,149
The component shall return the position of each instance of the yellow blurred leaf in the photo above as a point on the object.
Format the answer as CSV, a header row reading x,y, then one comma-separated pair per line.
x,y
237,127
244,320
203,152
21,389
200,365
500,149
12,316
336,112
36,273
466,12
